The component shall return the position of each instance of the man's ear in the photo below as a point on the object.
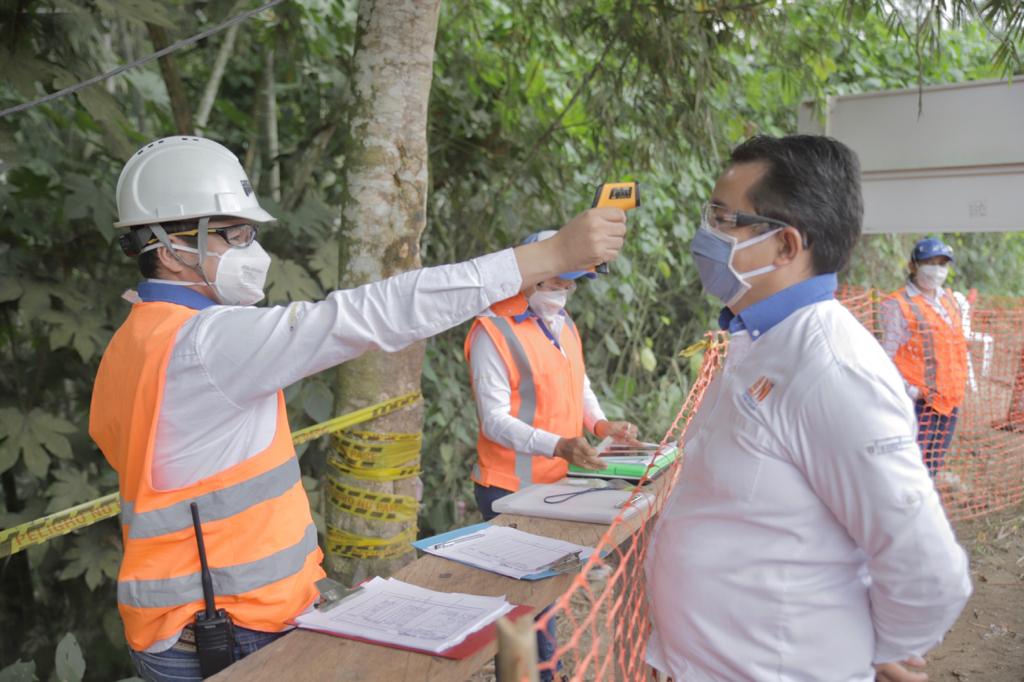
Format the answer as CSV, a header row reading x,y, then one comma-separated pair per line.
x,y
167,262
790,242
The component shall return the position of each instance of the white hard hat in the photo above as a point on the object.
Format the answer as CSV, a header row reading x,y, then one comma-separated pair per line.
x,y
178,178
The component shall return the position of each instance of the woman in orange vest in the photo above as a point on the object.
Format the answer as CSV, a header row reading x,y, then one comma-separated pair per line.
x,y
533,398
188,406
923,333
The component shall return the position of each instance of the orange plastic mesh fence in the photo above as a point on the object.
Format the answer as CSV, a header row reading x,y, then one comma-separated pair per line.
x,y
602,620
978,461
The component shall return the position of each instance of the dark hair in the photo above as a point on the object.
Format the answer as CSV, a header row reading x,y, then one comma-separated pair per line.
x,y
811,182
149,262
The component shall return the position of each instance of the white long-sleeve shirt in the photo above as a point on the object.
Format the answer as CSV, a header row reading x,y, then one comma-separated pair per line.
x,y
228,362
493,393
804,540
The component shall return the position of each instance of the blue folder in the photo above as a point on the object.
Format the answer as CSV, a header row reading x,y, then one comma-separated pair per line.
x,y
459,532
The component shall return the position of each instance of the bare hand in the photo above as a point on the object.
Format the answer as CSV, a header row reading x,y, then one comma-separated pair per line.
x,y
579,452
594,236
910,670
620,432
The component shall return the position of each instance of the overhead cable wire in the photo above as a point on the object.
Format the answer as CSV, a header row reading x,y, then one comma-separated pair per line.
x,y
174,47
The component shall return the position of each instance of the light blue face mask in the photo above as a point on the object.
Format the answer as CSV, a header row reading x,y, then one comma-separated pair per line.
x,y
713,253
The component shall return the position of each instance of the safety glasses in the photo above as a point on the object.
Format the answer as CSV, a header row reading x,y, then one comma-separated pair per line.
x,y
237,236
721,218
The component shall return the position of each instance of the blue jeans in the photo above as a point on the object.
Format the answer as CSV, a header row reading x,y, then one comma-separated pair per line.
x,y
180,663
934,434
546,641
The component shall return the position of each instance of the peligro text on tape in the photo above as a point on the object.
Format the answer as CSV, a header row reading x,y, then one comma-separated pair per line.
x,y
13,540
370,504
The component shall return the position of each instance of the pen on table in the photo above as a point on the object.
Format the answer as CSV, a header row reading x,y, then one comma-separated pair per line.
x,y
442,545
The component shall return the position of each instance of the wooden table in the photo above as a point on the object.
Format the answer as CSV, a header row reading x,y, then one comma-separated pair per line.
x,y
305,655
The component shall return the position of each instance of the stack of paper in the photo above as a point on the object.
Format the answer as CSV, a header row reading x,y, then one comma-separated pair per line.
x,y
399,614
511,552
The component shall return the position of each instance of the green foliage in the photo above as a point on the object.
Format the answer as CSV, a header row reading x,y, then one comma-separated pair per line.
x,y
533,104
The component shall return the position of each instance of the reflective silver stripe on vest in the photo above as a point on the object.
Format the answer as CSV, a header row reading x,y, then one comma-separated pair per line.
x,y
228,580
219,504
927,346
527,396
126,511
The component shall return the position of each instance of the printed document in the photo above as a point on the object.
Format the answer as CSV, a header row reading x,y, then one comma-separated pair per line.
x,y
394,612
512,552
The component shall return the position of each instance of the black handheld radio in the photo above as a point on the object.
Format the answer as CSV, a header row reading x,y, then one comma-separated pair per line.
x,y
215,635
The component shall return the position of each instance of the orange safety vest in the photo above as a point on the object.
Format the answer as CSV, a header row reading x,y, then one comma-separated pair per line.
x,y
547,393
261,543
934,359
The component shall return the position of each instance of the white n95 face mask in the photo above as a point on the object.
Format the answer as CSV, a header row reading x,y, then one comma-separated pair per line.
x,y
931,277
241,274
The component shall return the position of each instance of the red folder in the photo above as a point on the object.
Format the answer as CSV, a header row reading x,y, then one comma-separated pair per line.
x,y
464,649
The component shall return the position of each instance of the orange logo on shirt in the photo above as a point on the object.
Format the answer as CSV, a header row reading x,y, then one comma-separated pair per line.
x,y
760,389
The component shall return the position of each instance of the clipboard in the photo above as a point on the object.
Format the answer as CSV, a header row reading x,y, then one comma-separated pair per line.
x,y
628,467
474,642
469,530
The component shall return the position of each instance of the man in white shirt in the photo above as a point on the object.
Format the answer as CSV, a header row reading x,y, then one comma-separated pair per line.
x,y
804,539
188,403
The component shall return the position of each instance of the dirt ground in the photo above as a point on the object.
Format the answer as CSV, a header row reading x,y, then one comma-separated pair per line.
x,y
985,645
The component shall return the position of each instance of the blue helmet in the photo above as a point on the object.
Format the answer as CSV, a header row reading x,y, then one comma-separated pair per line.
x,y
547,234
930,247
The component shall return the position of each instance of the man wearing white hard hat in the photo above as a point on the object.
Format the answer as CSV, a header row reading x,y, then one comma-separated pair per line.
x,y
188,405
533,398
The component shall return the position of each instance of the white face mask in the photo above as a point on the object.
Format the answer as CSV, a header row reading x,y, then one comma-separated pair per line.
x,y
241,274
547,304
931,277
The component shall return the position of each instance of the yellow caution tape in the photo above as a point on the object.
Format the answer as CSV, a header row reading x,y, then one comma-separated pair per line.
x,y
370,504
13,540
343,543
352,418
372,474
36,532
379,457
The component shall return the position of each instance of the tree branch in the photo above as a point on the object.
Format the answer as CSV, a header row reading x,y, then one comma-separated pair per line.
x,y
314,151
217,72
180,108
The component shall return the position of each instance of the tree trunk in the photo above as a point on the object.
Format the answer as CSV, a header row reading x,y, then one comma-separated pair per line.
x,y
383,217
271,144
180,108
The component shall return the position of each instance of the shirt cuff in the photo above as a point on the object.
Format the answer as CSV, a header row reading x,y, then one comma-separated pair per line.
x,y
590,420
499,275
545,443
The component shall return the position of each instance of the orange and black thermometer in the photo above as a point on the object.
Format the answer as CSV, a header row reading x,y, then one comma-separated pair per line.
x,y
624,195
